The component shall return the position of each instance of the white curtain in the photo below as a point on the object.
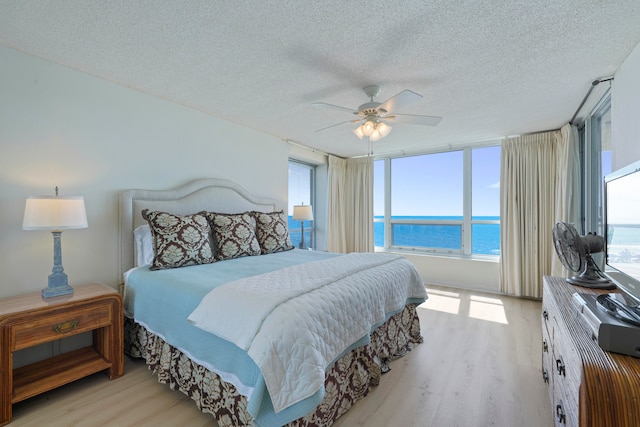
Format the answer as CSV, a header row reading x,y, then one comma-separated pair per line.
x,y
567,187
539,185
350,217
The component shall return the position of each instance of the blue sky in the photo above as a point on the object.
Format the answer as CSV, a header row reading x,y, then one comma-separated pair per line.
x,y
424,185
299,186
433,184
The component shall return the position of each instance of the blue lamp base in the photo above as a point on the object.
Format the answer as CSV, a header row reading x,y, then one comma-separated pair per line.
x,y
58,282
57,292
57,287
302,244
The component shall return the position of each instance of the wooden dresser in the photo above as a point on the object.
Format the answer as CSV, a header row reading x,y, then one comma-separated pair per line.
x,y
28,320
587,386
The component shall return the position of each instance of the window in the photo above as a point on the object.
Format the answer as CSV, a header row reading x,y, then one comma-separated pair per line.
x,y
301,191
445,202
596,163
485,207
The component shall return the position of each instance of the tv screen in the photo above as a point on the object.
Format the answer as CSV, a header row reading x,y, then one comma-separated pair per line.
x,y
622,229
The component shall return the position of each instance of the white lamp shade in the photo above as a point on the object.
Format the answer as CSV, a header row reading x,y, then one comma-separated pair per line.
x,y
373,130
358,132
54,213
302,213
384,129
368,127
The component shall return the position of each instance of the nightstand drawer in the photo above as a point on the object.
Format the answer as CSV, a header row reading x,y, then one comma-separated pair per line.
x,y
56,326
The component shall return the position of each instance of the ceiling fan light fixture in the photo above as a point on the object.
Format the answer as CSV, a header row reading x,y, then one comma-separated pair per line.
x,y
358,132
375,136
383,129
373,130
368,127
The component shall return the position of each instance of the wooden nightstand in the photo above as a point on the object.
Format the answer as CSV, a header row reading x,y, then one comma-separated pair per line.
x,y
28,320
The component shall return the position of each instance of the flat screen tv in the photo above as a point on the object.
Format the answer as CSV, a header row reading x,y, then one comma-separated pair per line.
x,y
622,229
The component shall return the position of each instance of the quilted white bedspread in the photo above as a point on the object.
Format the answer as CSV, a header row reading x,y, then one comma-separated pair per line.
x,y
295,321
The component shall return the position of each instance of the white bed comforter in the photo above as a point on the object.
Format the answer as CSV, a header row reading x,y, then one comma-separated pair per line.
x,y
294,322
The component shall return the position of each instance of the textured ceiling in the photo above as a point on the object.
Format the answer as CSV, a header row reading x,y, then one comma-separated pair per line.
x,y
490,68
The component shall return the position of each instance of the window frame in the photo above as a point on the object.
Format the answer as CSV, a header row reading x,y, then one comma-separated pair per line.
x,y
311,228
592,184
466,223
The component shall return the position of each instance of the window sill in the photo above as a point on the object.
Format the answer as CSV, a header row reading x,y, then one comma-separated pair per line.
x,y
476,257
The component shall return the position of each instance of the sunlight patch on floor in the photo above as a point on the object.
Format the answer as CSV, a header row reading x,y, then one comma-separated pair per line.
x,y
476,306
445,301
490,309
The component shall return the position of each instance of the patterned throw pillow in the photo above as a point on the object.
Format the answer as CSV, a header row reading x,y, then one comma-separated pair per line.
x,y
272,232
234,235
179,240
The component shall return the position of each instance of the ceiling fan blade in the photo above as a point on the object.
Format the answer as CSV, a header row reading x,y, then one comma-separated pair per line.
x,y
398,101
413,119
338,124
334,107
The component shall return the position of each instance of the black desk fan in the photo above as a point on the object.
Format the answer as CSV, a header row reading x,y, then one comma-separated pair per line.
x,y
575,252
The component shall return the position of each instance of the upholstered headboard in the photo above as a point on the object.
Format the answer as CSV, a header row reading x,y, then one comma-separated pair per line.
x,y
214,195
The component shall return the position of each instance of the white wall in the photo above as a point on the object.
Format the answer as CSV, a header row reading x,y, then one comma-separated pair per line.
x,y
625,112
95,138
476,274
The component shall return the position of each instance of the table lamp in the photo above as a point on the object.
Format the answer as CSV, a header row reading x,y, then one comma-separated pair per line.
x,y
56,214
302,213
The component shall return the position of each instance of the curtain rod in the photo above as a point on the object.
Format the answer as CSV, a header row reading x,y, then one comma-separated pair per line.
x,y
298,144
594,83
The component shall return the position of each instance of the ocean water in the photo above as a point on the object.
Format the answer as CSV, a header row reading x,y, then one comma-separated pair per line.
x,y
485,238
295,232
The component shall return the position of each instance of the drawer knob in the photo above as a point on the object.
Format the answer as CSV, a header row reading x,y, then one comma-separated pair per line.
x,y
545,315
560,415
560,366
545,346
545,376
65,327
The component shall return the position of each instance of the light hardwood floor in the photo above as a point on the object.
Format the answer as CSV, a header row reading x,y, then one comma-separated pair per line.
x,y
479,366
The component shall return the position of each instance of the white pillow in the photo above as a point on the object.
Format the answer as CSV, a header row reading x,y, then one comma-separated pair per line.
x,y
144,245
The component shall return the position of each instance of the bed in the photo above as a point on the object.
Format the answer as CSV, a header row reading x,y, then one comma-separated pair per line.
x,y
264,334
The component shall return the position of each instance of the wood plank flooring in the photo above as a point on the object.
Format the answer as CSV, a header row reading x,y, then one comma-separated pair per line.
x,y
479,366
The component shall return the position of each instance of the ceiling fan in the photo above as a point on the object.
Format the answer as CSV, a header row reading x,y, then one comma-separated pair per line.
x,y
374,117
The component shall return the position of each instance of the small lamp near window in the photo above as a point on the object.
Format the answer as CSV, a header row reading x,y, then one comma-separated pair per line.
x,y
302,213
56,214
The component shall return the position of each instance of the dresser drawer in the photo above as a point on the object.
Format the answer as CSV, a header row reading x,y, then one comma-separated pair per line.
x,y
566,383
567,360
545,320
549,311
41,329
547,357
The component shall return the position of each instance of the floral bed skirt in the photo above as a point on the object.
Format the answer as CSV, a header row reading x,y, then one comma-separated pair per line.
x,y
347,381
